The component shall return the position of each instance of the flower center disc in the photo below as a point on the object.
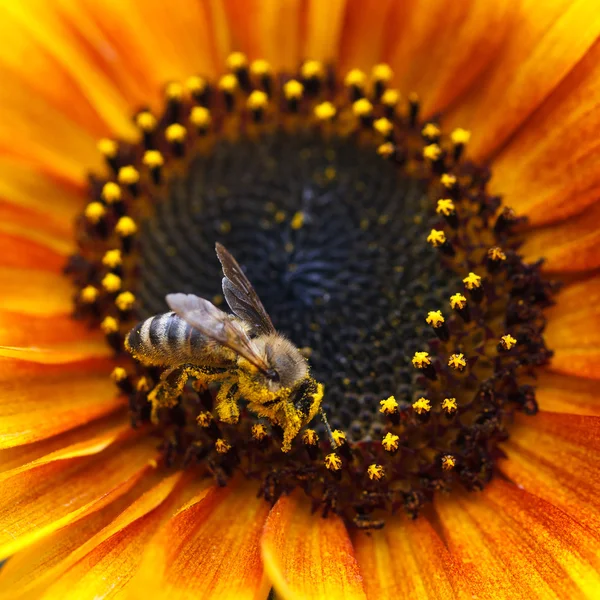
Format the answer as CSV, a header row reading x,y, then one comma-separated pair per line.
x,y
375,249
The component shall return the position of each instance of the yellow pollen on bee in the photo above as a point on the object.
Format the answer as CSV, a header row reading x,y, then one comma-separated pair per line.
x,y
204,419
339,437
432,152
125,226
472,281
310,437
257,100
460,136
153,159
118,374
146,121
362,108
382,72
174,90
107,147
448,462
383,126
431,130
421,360
333,462
94,212
325,111
445,207
388,406
293,89
375,472
109,325
236,60
111,283
228,83
421,406
259,432
221,446
356,78
125,301
89,294
111,192
449,405
128,175
436,238
175,133
496,253
195,84
435,318
311,69
457,301
448,180
200,116
457,362
390,97
297,220
142,385
508,341
260,67
386,150
390,442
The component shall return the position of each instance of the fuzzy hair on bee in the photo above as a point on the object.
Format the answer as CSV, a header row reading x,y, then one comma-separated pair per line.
x,y
242,352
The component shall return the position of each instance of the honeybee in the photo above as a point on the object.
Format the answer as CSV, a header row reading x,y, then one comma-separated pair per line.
x,y
241,351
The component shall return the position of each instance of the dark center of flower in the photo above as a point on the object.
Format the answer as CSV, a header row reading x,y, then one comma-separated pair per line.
x,y
374,249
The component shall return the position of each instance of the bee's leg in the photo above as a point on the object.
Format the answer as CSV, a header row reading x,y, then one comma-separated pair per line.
x,y
291,423
166,393
227,402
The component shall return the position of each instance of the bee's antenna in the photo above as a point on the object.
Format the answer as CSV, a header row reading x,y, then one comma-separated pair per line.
x,y
328,428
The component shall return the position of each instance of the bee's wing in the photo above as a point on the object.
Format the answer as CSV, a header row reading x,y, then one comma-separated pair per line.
x,y
216,325
240,294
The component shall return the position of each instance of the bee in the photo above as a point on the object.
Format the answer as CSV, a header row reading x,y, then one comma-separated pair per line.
x,y
241,351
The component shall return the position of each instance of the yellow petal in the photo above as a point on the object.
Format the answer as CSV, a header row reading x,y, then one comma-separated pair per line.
x,y
406,559
31,249
539,50
36,502
307,556
567,394
32,569
178,564
323,28
555,457
573,330
39,401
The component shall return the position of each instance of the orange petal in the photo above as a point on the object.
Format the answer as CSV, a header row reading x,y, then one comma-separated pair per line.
x,y
307,556
323,28
567,394
30,249
569,246
209,549
88,438
506,550
549,170
36,292
539,51
407,559
34,567
39,401
573,330
46,202
555,457
107,562
267,29
362,41
440,62
36,502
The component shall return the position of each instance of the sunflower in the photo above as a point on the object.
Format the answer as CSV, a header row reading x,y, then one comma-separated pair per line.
x,y
404,184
